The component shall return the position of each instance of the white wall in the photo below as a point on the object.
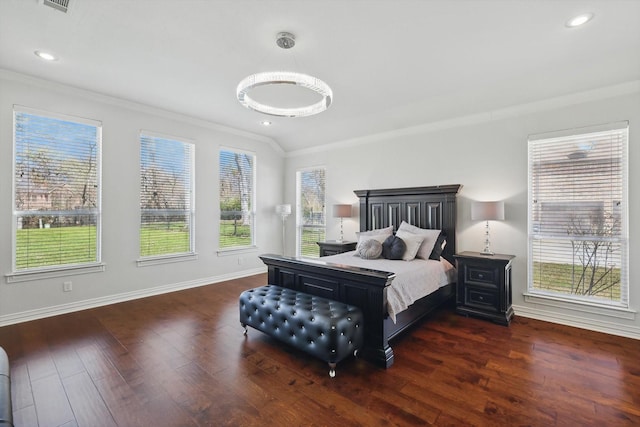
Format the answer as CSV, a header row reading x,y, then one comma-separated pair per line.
x,y
121,125
487,154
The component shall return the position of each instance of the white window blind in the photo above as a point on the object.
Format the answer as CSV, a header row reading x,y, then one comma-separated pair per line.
x,y
57,191
237,183
578,215
166,196
311,211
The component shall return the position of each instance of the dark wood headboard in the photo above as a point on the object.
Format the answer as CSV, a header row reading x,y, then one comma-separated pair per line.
x,y
425,207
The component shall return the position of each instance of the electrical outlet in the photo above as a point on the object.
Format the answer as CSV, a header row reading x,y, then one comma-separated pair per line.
x,y
240,260
67,286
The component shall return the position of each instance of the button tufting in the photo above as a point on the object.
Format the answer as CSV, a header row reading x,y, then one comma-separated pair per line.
x,y
274,309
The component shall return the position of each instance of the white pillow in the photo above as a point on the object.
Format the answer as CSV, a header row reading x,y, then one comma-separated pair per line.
x,y
430,237
412,241
380,235
386,231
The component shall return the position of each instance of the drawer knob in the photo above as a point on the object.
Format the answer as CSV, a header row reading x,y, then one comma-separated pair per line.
x,y
481,298
481,276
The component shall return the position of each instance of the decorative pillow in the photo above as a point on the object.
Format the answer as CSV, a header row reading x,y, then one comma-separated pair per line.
x,y
369,249
393,248
441,242
429,236
380,235
412,241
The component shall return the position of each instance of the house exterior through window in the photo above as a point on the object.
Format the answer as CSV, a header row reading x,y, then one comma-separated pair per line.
x,y
578,215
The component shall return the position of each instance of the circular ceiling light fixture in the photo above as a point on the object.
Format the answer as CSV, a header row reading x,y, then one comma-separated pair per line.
x,y
284,41
579,20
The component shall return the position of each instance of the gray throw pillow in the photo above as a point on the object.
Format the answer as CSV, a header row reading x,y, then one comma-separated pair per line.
x,y
369,249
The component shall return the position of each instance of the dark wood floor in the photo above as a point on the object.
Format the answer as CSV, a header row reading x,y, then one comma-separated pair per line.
x,y
180,359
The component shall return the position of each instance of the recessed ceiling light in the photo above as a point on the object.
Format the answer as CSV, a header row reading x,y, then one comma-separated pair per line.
x,y
266,123
45,55
576,21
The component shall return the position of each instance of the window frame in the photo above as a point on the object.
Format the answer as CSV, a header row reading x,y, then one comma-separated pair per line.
x,y
223,250
57,270
300,211
190,211
535,232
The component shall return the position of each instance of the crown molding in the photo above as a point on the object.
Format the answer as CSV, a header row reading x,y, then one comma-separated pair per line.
x,y
622,89
136,106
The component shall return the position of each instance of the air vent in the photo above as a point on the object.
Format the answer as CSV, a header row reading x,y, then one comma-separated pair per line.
x,y
62,5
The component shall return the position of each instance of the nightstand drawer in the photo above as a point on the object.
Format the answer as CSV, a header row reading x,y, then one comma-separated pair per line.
x,y
481,298
329,252
482,275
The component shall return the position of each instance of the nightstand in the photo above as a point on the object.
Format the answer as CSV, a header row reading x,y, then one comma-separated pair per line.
x,y
484,286
333,247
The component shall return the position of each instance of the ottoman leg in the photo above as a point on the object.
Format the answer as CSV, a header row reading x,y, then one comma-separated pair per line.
x,y
332,370
245,329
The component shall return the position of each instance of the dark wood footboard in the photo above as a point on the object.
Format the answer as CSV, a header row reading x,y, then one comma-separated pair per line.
x,y
364,288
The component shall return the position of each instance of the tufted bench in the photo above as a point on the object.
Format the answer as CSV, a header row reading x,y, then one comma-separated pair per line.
x,y
327,329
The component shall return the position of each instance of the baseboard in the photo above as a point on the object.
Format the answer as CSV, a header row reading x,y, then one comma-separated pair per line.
x,y
40,313
612,328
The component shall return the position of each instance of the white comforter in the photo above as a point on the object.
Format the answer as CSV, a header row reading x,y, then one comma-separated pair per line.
x,y
414,279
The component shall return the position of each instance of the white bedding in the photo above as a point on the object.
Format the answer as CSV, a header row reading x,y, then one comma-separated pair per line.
x,y
414,279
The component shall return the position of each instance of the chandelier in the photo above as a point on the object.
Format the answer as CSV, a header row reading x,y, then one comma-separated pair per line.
x,y
285,41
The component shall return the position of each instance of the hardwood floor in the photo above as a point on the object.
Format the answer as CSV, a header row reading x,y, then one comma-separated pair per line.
x,y
180,359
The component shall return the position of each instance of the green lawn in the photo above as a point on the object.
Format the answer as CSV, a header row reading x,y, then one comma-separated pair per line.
x,y
164,238
309,238
41,247
234,235
559,278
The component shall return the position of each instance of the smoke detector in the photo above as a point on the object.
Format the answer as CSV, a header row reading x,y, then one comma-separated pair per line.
x,y
286,40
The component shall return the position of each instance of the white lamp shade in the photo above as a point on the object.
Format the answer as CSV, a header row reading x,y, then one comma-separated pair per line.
x,y
283,209
342,211
487,211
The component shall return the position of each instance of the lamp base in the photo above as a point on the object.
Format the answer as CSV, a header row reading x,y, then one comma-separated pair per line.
x,y
487,243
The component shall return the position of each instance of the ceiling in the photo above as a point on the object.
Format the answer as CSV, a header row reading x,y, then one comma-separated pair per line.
x,y
391,64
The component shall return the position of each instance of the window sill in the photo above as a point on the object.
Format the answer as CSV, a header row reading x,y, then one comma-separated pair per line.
x,y
26,276
236,250
583,306
157,260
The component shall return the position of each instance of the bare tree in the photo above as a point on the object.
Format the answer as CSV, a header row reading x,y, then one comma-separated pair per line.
x,y
594,247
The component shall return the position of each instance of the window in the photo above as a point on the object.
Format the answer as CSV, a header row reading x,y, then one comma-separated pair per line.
x,y
310,212
237,183
578,215
56,214
166,196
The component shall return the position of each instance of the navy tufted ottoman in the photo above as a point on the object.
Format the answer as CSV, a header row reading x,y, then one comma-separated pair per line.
x,y
327,329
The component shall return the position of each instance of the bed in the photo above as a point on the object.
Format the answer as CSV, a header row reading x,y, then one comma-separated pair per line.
x,y
366,287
